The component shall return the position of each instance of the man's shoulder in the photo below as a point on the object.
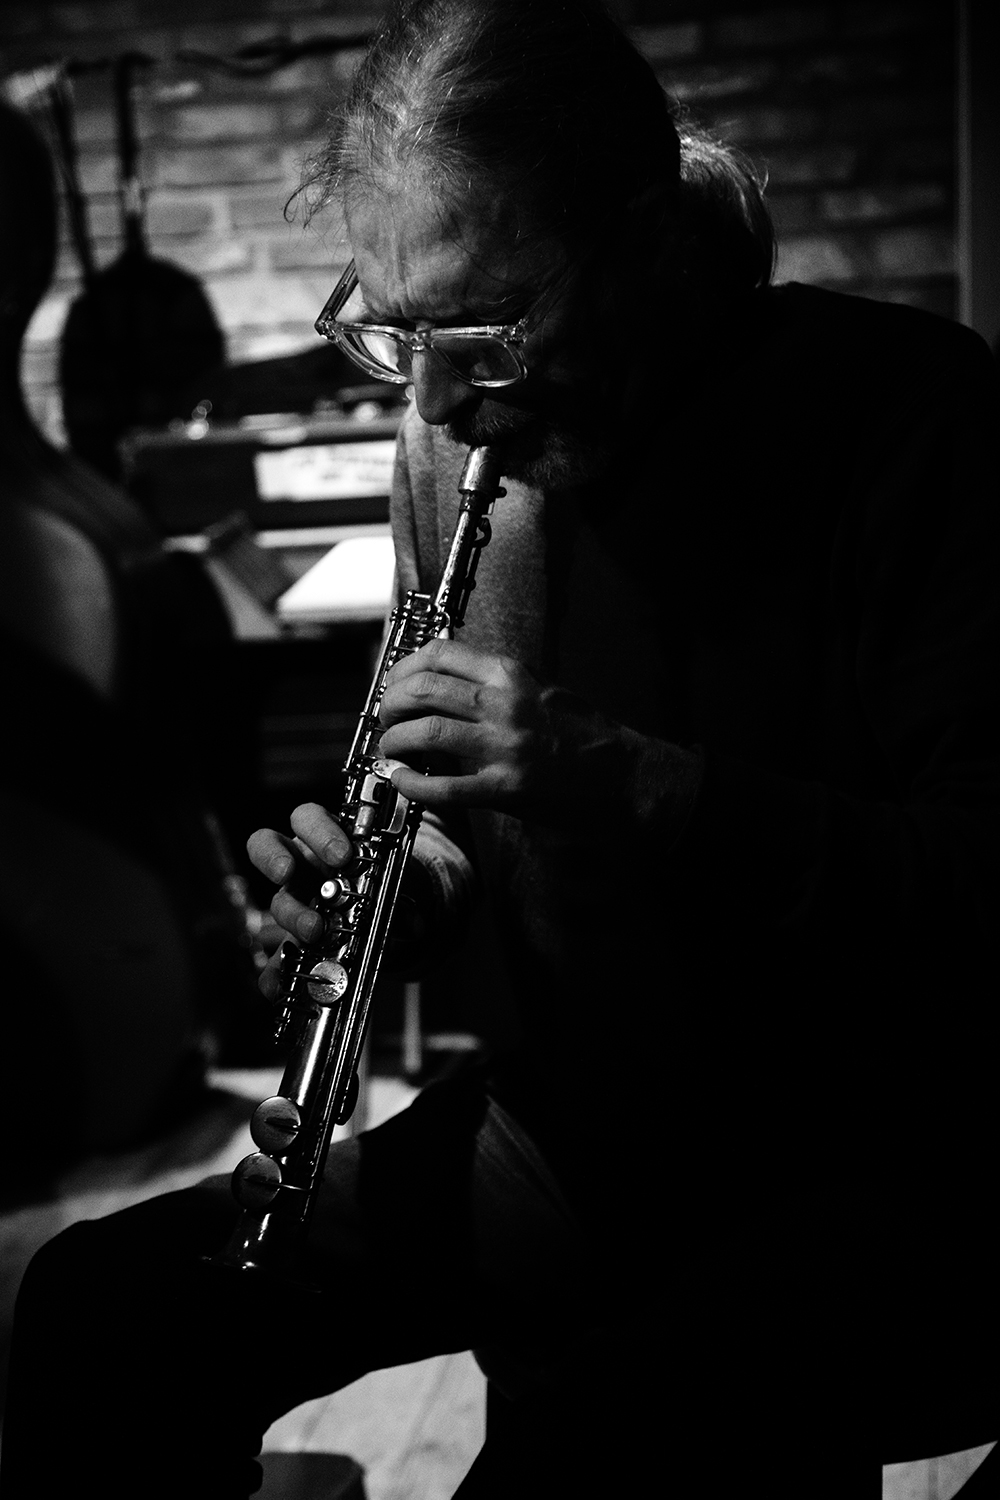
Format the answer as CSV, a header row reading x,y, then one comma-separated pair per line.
x,y
875,335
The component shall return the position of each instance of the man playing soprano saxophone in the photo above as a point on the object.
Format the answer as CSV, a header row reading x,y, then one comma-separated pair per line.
x,y
719,745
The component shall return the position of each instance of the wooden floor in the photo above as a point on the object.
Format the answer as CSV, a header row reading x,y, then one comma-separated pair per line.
x,y
414,1430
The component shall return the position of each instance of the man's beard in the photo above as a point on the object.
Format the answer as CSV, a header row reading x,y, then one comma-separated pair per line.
x,y
547,453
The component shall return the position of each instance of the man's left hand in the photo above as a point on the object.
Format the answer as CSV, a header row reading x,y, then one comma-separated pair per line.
x,y
522,748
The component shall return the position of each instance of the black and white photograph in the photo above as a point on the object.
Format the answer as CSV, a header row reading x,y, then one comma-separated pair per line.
x,y
500,780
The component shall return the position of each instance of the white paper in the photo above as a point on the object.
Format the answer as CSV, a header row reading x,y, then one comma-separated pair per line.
x,y
351,581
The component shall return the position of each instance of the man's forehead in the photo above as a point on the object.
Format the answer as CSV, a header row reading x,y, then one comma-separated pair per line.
x,y
419,259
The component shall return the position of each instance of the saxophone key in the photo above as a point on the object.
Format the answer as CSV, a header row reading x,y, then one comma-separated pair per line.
x,y
290,957
371,797
256,1182
336,891
327,981
275,1124
365,820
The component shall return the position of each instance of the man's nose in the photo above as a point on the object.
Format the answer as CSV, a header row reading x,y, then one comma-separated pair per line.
x,y
439,394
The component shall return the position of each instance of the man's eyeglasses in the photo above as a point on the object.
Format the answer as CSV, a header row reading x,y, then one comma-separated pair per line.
x,y
489,355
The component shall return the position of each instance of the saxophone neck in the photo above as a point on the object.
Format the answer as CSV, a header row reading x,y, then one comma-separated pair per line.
x,y
479,487
481,474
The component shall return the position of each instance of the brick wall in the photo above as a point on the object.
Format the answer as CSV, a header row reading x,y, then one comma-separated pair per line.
x,y
220,155
847,107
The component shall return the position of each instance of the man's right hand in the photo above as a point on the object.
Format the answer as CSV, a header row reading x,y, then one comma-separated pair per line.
x,y
298,865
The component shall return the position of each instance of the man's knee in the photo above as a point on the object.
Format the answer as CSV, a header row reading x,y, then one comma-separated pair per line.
x,y
132,1245
336,1237
59,1264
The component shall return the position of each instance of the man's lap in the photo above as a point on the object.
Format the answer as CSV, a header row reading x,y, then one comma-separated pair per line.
x,y
123,1325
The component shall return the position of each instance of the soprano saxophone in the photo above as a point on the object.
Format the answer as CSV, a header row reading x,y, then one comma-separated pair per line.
x,y
328,984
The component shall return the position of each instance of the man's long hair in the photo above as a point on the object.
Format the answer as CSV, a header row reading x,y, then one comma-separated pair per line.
x,y
547,105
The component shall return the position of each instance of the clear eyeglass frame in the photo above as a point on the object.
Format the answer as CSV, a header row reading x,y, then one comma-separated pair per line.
x,y
507,338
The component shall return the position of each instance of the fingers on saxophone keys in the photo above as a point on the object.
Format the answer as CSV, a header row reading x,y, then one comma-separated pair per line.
x,y
295,916
273,855
319,843
321,836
